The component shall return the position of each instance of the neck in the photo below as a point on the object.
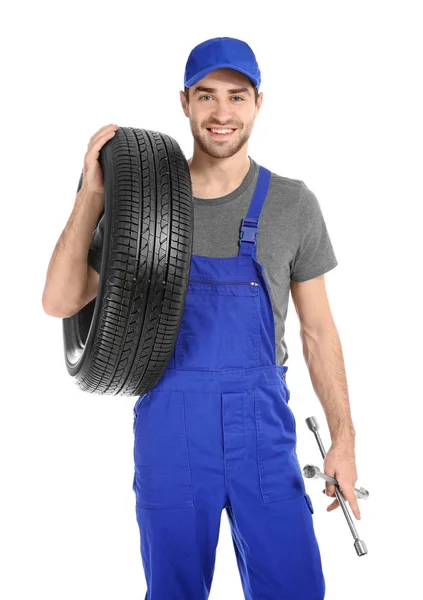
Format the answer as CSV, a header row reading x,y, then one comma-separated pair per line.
x,y
214,177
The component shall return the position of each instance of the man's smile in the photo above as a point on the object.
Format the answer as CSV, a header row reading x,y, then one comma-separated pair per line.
x,y
220,132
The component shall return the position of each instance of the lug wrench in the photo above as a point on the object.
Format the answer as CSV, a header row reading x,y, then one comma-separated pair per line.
x,y
313,472
359,545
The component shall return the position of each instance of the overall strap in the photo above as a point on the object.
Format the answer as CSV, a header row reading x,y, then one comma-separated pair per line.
x,y
249,225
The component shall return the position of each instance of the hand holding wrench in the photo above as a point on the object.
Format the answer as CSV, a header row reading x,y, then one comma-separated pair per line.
x,y
313,472
359,545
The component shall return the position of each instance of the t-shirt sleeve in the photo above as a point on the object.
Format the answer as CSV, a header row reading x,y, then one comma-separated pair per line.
x,y
96,247
315,254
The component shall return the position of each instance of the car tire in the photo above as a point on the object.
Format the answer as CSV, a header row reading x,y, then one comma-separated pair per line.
x,y
121,342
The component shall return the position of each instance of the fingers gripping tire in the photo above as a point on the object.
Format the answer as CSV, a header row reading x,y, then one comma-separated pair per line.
x,y
121,342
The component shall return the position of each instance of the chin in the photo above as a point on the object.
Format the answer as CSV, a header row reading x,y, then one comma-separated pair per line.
x,y
220,152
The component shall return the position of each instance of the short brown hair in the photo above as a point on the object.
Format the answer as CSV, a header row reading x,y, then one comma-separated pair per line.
x,y
256,93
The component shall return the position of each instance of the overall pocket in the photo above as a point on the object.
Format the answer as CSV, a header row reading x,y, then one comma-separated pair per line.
x,y
220,326
279,469
136,409
287,398
162,471
309,502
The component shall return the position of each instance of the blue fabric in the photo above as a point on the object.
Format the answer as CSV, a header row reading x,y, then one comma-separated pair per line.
x,y
218,53
217,432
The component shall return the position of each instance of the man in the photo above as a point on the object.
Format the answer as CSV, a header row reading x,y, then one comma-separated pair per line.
x,y
216,431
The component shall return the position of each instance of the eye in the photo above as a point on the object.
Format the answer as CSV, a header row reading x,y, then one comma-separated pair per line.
x,y
208,96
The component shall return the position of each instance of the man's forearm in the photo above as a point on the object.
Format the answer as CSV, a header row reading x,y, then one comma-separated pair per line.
x,y
67,275
324,358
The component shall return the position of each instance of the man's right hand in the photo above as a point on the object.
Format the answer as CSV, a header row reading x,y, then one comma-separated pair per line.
x,y
92,176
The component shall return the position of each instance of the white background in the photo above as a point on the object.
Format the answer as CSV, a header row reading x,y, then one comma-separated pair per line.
x,y
341,111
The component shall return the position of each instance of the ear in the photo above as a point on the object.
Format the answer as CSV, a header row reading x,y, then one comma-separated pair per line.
x,y
184,103
259,103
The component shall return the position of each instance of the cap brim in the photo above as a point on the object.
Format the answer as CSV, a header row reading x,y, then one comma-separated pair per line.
x,y
196,78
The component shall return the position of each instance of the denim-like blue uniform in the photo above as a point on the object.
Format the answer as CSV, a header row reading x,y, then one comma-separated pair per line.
x,y
216,432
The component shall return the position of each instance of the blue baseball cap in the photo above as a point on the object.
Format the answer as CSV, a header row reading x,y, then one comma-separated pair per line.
x,y
221,53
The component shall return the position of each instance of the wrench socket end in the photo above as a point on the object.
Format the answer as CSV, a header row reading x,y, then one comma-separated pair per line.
x,y
360,547
312,423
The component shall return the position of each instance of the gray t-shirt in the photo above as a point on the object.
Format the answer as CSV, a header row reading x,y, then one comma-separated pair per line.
x,y
293,241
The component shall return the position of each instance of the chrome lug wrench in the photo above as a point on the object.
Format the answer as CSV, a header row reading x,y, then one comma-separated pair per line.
x,y
313,472
359,545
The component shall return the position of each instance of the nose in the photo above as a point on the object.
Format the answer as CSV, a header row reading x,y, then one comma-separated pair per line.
x,y
222,113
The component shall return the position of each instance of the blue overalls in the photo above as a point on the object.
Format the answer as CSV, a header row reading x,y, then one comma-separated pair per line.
x,y
216,432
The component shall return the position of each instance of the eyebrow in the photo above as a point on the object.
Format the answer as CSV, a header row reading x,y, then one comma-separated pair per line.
x,y
238,90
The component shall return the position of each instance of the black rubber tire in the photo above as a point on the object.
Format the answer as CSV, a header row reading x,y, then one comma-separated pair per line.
x,y
121,342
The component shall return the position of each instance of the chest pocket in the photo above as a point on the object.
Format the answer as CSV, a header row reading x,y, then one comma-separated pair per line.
x,y
220,326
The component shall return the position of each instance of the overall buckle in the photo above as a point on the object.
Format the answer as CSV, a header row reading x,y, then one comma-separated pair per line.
x,y
248,231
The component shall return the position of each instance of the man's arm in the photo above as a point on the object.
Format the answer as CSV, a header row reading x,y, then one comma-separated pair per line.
x,y
323,355
71,282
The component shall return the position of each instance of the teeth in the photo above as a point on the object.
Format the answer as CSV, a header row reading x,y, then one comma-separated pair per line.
x,y
222,130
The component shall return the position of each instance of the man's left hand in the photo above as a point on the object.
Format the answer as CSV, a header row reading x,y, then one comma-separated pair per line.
x,y
340,464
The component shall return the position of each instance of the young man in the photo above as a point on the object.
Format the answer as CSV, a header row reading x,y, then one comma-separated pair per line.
x,y
216,432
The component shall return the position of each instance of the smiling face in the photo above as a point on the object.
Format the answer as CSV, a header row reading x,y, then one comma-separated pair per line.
x,y
223,99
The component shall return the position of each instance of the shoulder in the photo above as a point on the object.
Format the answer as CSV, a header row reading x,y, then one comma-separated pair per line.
x,y
285,191
285,188
290,192
287,185
295,191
